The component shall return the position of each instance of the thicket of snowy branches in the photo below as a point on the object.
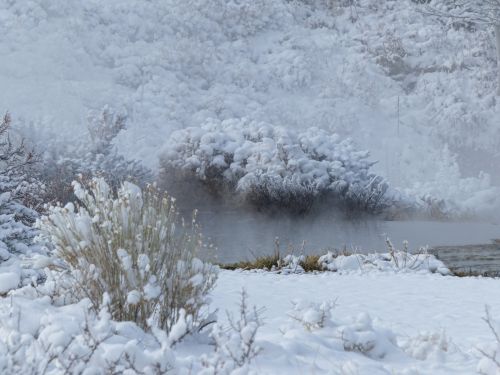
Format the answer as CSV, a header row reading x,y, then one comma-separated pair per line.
x,y
21,195
469,14
269,166
88,156
134,248
75,339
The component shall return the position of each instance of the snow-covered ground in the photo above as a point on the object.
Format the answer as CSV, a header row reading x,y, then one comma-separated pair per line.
x,y
355,323
414,307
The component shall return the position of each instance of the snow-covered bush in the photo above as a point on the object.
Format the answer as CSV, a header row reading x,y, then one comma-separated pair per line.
x,y
20,197
77,341
38,337
356,334
391,56
312,315
133,247
490,363
90,157
235,347
428,345
393,260
362,337
270,166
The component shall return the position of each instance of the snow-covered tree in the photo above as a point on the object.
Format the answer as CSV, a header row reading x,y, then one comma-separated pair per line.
x,y
486,12
20,194
94,156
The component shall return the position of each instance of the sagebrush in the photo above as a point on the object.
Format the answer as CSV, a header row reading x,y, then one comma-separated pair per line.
x,y
136,248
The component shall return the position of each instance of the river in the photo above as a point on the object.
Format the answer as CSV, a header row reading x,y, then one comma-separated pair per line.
x,y
242,235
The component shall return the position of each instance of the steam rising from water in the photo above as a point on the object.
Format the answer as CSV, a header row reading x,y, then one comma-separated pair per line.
x,y
240,233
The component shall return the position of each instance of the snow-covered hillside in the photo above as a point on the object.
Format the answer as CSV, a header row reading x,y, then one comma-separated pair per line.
x,y
410,88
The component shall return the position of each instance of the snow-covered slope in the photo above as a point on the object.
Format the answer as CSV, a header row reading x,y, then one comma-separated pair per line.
x,y
411,89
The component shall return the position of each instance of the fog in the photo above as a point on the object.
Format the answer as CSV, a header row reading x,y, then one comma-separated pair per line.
x,y
242,233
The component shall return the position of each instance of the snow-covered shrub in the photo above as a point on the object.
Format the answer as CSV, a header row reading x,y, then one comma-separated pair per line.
x,y
312,315
90,157
235,347
393,260
37,337
77,340
360,336
391,55
428,345
490,363
270,166
20,198
133,247
352,335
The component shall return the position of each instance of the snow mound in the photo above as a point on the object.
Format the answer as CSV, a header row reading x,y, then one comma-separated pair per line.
x,y
392,261
357,334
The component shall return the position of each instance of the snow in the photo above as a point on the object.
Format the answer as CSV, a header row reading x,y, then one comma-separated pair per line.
x,y
9,281
399,261
368,322
436,320
133,297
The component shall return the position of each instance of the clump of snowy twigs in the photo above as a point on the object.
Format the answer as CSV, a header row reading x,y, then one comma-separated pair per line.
x,y
80,341
393,260
311,315
428,344
135,248
20,200
490,363
356,335
235,346
270,166
91,155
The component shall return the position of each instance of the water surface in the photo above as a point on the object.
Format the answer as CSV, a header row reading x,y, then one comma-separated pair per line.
x,y
241,235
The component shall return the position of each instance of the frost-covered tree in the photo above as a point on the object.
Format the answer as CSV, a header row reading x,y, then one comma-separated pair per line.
x,y
103,158
92,156
19,194
486,12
